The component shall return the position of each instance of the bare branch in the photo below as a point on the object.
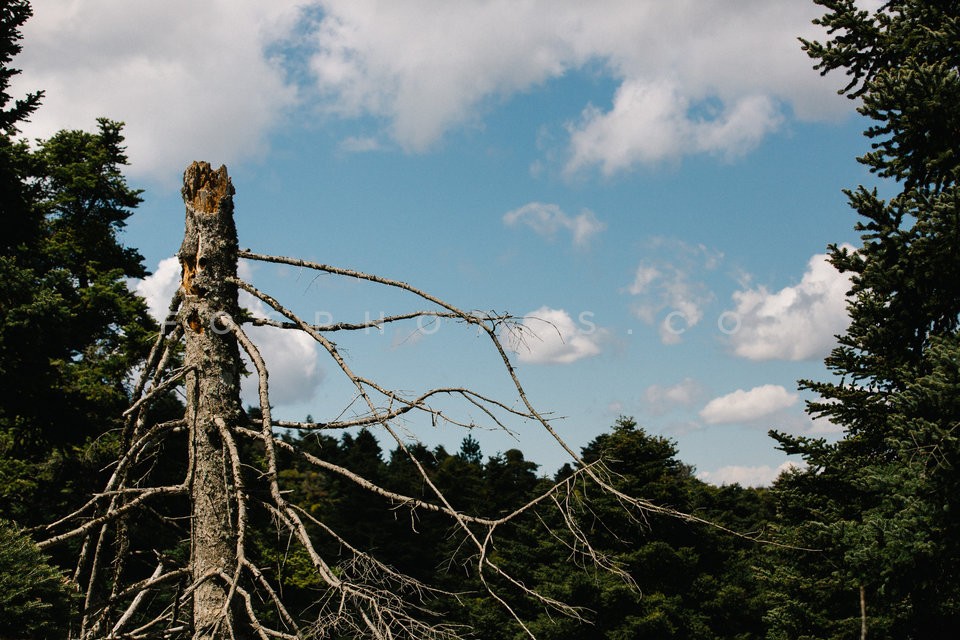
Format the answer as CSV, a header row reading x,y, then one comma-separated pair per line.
x,y
156,390
359,326
115,513
233,470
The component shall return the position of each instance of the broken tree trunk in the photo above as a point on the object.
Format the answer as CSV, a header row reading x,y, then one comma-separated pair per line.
x,y
208,259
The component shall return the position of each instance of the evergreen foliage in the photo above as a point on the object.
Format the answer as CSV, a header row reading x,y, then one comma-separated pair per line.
x,y
682,580
35,599
71,331
881,504
13,15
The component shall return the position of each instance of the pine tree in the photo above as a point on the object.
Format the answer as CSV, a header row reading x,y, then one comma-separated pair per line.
x,y
13,14
35,599
881,503
20,224
71,331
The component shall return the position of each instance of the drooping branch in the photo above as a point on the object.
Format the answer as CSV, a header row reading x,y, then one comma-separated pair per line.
x,y
482,545
488,324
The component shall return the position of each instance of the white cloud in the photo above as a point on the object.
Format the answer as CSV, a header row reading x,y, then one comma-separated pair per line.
x,y
550,336
427,66
747,476
193,81
650,122
361,144
794,323
768,406
292,360
158,288
548,219
211,80
291,356
646,275
659,399
667,282
746,406
702,76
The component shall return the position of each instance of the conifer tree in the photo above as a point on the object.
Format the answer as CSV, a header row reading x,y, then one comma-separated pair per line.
x,y
19,223
71,330
881,503
35,600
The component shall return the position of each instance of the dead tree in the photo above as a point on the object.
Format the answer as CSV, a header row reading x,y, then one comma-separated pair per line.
x,y
208,261
218,591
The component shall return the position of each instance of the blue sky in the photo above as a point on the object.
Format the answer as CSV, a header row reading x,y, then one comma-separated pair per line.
x,y
652,185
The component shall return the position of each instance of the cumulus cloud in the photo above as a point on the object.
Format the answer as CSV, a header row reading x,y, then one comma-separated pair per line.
x,y
293,362
551,336
548,220
291,356
659,399
667,281
651,122
769,406
747,476
747,406
158,288
695,77
191,80
794,323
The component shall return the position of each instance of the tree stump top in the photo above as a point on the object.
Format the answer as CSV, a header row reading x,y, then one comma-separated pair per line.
x,y
204,188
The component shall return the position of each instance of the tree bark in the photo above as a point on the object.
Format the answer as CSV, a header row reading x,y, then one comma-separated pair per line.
x,y
863,613
208,258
